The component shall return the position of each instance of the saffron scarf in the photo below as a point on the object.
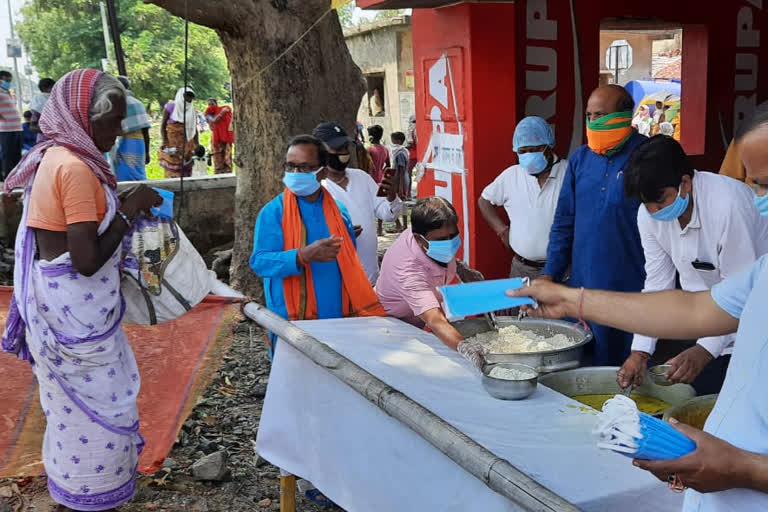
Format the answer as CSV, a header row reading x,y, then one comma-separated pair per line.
x,y
65,122
357,295
608,134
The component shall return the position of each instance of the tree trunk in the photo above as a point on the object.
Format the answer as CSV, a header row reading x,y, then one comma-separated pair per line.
x,y
278,91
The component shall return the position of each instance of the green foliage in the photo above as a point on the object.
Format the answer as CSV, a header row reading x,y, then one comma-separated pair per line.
x,y
388,14
64,35
346,13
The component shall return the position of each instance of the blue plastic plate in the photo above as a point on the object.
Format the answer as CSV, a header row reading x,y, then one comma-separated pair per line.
x,y
465,299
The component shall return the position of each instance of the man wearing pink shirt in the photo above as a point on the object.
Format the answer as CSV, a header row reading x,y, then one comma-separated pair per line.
x,y
420,260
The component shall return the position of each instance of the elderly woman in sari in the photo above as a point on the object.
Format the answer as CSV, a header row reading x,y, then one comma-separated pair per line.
x,y
179,131
67,307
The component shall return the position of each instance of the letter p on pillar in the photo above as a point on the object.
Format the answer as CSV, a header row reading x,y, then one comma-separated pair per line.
x,y
537,26
746,35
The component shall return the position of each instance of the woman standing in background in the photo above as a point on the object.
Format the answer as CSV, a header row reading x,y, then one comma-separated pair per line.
x,y
179,131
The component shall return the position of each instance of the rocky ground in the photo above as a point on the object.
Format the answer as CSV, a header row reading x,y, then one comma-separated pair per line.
x,y
212,467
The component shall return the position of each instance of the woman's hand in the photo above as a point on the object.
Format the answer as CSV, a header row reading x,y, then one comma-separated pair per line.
x,y
139,200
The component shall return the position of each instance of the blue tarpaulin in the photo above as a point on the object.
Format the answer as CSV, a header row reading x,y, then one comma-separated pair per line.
x,y
639,89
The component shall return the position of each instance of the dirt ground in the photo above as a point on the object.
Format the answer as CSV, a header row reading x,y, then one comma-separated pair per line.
x,y
227,418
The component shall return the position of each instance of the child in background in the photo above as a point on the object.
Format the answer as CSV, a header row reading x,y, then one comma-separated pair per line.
x,y
398,154
380,157
28,137
378,152
200,165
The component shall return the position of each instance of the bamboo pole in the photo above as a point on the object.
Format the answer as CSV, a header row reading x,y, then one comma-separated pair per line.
x,y
495,472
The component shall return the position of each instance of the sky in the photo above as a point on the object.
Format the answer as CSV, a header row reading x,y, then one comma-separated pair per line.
x,y
5,31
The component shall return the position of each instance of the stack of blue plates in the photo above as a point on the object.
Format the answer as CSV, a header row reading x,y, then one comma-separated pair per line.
x,y
625,430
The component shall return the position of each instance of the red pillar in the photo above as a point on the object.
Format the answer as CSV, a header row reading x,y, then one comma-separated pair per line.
x,y
465,88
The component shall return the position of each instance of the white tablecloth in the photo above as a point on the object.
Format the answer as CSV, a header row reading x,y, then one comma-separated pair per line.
x,y
315,426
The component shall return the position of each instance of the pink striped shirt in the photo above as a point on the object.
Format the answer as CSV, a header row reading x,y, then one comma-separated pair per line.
x,y
10,120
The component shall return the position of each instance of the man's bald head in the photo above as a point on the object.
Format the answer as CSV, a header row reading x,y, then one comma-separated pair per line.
x,y
607,100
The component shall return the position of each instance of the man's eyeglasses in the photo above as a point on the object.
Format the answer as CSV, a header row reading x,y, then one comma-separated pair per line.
x,y
289,167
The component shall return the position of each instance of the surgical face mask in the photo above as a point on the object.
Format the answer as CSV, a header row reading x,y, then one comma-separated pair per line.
x,y
338,162
302,183
443,250
761,203
533,163
674,210
6,84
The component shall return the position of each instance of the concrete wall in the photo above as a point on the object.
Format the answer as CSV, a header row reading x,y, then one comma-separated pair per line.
x,y
642,52
385,50
207,215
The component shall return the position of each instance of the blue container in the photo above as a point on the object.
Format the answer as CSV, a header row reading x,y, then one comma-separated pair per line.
x,y
165,210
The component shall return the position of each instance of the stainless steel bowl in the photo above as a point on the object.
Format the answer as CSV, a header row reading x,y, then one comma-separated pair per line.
x,y
658,374
601,380
504,389
694,412
543,362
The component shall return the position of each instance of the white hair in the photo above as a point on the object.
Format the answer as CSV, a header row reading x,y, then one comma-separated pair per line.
x,y
667,129
107,89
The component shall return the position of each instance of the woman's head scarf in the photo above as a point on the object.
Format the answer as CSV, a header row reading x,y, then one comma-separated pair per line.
x,y
65,122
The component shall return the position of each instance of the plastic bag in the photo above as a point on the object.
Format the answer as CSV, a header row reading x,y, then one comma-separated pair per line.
x,y
163,275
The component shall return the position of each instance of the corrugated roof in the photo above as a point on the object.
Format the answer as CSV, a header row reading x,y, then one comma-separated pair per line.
x,y
671,70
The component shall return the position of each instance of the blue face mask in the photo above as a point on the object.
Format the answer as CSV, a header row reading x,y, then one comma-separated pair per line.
x,y
302,183
674,210
533,163
6,84
443,250
761,203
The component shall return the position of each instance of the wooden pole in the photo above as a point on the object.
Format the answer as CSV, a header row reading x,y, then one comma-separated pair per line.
x,y
288,493
493,471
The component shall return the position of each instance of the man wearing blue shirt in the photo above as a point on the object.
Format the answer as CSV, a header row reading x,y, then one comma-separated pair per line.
x,y
306,160
728,471
595,227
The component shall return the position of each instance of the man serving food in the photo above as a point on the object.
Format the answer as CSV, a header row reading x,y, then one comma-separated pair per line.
x,y
422,259
728,471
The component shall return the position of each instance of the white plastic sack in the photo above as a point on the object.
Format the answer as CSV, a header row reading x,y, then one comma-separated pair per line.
x,y
163,275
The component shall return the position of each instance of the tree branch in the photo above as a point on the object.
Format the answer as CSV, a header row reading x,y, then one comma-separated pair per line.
x,y
220,16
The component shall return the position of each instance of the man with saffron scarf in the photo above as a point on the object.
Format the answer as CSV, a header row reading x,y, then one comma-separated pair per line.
x,y
66,310
304,246
595,227
220,119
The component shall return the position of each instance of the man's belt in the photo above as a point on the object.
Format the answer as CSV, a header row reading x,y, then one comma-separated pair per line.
x,y
535,264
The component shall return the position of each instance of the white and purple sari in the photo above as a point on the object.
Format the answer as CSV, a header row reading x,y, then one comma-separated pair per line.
x,y
67,326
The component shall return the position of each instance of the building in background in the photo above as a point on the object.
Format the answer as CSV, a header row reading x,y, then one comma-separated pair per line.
x,y
383,50
627,55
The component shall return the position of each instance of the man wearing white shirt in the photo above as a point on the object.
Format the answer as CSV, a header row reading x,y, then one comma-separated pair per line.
x,y
700,226
528,191
356,190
